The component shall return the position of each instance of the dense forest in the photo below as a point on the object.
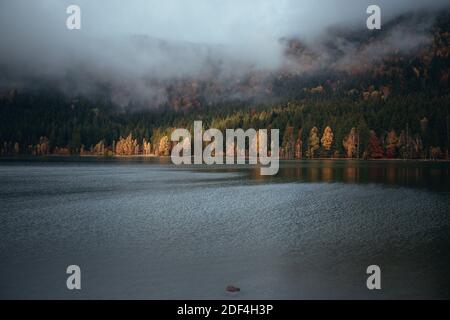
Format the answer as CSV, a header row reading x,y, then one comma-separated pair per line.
x,y
414,126
395,107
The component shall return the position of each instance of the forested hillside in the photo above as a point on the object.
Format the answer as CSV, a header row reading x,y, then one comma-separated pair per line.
x,y
394,105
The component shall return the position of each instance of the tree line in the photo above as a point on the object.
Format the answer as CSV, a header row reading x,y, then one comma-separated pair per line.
x,y
407,127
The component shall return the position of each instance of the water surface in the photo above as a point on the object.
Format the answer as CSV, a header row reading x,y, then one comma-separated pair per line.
x,y
142,228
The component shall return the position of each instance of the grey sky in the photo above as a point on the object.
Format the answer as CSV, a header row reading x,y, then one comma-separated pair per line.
x,y
35,41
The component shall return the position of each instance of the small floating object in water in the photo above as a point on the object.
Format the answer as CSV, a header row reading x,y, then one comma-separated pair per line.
x,y
233,289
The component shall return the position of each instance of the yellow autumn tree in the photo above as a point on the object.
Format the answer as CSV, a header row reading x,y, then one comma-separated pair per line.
x,y
146,147
313,142
298,145
99,148
128,146
164,146
327,138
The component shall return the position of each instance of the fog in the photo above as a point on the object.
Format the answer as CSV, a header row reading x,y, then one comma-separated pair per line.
x,y
134,46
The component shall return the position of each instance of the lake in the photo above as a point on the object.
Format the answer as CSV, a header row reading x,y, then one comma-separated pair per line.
x,y
143,228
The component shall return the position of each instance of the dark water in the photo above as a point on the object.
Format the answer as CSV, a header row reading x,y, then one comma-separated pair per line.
x,y
142,228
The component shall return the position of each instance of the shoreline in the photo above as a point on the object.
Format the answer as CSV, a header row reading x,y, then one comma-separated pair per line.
x,y
100,157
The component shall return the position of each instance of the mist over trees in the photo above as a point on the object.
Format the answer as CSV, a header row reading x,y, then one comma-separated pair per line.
x,y
335,104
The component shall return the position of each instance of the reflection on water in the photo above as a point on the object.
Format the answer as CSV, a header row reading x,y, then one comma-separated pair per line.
x,y
433,175
423,174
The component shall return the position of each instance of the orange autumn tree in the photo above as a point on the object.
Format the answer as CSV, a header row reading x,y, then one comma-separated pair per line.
x,y
350,143
374,149
391,144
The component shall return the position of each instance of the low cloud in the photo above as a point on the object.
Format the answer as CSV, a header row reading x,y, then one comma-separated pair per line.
x,y
137,49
